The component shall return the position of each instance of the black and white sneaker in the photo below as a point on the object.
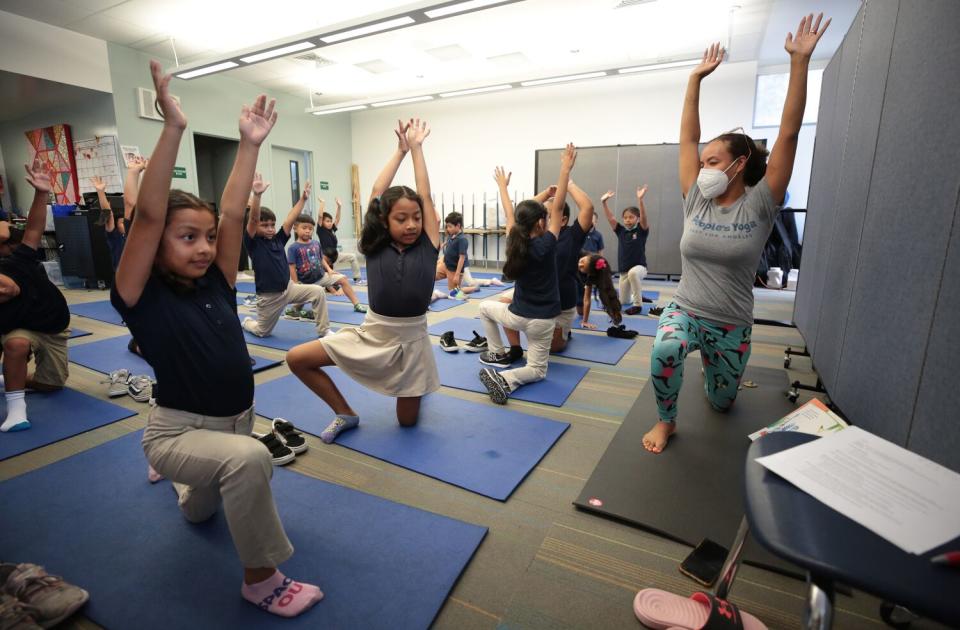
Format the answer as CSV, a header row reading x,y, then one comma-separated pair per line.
x,y
140,388
496,386
448,343
280,454
289,435
496,359
477,344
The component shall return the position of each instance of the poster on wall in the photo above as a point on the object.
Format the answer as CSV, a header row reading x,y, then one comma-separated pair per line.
x,y
99,157
53,146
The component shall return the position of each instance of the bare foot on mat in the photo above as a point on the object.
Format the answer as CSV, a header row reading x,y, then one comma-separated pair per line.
x,y
655,440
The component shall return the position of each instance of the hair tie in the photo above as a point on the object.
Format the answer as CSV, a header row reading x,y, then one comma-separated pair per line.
x,y
600,264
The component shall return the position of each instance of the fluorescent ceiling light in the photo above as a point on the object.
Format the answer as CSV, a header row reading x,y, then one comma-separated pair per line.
x,y
660,66
492,88
277,52
460,8
352,108
199,72
366,30
571,77
401,101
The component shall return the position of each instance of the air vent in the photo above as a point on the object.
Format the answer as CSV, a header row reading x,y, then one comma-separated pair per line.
x,y
448,53
313,57
376,66
146,107
631,3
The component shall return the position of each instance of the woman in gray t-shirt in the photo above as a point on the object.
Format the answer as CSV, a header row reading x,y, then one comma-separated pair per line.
x,y
731,198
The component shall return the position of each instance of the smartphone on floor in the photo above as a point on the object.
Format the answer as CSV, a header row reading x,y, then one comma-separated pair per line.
x,y
705,562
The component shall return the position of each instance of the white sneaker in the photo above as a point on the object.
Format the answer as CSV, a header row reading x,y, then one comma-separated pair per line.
x,y
118,380
140,387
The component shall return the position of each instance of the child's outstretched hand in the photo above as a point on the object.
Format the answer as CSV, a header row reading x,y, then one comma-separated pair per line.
x,y
501,176
136,163
257,120
568,158
307,188
39,176
808,34
712,57
98,184
417,132
338,202
169,109
607,195
401,132
259,186
641,192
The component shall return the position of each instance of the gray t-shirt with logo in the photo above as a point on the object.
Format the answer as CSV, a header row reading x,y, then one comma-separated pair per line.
x,y
719,251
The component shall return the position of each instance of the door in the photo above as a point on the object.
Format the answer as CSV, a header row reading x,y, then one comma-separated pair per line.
x,y
291,172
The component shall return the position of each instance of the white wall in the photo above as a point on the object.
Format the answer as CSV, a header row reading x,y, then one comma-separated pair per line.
x,y
56,54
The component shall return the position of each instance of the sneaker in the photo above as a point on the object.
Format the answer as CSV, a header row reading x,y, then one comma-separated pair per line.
x,y
48,598
359,281
496,386
291,313
338,426
656,311
250,301
140,388
458,294
359,308
289,435
118,380
305,315
633,310
477,344
280,455
448,343
496,359
14,616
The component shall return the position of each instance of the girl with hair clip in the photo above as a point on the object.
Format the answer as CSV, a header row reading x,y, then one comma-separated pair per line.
x,y
731,198
390,353
175,288
596,272
532,262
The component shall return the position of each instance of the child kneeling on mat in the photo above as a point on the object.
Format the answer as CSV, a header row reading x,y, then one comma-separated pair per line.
x,y
34,317
390,352
532,263
176,289
308,265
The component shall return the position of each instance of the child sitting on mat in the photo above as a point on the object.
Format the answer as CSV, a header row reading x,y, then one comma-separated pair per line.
x,y
327,235
532,263
308,265
596,273
266,247
632,236
454,264
390,352
175,288
34,318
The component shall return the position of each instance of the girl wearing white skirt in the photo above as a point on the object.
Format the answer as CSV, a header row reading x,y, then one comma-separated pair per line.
x,y
532,263
390,352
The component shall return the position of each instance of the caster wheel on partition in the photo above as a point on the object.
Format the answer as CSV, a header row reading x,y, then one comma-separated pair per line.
x,y
793,395
786,362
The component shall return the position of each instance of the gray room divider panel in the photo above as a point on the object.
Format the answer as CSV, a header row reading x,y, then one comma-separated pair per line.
x,y
912,201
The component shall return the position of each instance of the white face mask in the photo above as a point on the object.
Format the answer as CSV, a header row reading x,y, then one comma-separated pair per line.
x,y
713,182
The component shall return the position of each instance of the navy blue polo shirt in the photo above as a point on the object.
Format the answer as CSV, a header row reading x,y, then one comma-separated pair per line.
x,y
40,306
633,247
193,340
327,238
568,255
270,268
400,282
536,293
455,246
116,242
594,242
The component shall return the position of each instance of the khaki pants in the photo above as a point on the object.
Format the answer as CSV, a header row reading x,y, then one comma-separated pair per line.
x,y
270,306
539,332
352,259
49,352
213,460
327,281
631,286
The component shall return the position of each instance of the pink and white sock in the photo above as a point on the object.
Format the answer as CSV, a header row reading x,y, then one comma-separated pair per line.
x,y
152,475
281,595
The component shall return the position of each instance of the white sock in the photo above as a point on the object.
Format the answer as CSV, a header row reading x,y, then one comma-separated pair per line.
x,y
16,412
2,384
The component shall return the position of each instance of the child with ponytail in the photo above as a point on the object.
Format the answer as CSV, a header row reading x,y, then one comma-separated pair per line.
x,y
596,272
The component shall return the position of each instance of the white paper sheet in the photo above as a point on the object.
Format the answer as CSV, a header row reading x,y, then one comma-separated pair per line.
x,y
906,499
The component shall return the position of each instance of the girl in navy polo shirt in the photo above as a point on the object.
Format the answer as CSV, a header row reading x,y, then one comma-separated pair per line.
x,y
390,352
175,288
532,262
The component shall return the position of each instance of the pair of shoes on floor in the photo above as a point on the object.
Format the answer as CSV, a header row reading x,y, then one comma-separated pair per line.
x,y
449,344
501,359
31,598
621,332
284,442
138,386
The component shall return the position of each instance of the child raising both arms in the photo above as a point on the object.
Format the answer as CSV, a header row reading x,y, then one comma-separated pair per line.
x,y
327,235
390,353
175,288
632,256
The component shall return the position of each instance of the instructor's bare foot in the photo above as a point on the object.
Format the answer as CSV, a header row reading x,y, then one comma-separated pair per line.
x,y
656,438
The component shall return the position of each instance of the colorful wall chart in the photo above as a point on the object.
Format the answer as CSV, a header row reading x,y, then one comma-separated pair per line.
x,y
54,148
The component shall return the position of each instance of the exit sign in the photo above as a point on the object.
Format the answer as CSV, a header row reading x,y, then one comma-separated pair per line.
x,y
324,185
179,172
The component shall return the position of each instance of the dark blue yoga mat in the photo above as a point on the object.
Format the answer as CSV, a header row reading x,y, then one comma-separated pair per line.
x,y
584,346
460,370
111,354
55,416
438,306
344,313
286,334
474,446
102,311
246,287
380,564
76,332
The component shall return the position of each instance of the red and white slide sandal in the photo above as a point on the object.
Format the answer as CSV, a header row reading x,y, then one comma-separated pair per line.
x,y
661,610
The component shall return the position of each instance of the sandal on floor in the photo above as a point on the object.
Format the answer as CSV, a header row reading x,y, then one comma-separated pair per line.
x,y
661,610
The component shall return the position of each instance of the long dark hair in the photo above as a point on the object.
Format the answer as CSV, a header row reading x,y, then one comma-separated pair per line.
x,y
598,275
376,231
528,214
741,145
179,200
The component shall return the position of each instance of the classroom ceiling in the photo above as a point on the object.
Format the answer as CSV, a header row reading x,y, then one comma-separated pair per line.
x,y
509,43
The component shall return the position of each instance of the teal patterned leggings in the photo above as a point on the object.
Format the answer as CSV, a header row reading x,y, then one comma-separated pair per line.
x,y
724,349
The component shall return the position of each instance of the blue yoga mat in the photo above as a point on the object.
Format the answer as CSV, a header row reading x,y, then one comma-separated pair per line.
x,y
111,354
646,326
76,332
583,346
479,294
101,311
286,334
55,416
380,564
246,287
460,370
438,306
344,313
476,447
